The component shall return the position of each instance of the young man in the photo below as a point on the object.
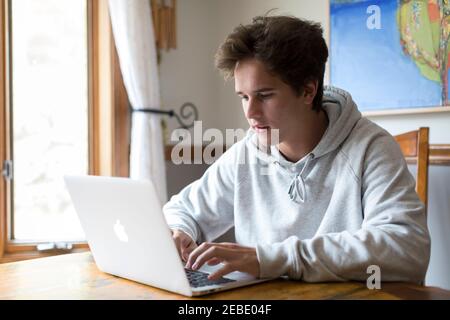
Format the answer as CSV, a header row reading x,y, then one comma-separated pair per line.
x,y
338,197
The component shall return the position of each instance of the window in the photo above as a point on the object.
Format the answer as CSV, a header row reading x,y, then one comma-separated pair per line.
x,y
63,110
49,102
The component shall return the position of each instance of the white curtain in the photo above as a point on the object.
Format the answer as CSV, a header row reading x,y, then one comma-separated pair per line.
x,y
133,34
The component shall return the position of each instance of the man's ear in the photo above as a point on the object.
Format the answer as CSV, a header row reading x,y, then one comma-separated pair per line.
x,y
309,91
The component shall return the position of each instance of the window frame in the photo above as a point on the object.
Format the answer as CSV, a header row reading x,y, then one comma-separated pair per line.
x,y
109,121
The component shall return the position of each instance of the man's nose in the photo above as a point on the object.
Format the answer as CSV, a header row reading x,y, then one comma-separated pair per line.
x,y
253,109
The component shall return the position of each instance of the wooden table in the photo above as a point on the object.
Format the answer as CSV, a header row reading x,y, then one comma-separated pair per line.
x,y
75,276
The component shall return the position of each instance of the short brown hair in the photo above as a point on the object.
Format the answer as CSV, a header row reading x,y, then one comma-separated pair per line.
x,y
291,48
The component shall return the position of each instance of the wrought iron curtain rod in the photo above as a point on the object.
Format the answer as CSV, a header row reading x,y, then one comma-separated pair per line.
x,y
187,110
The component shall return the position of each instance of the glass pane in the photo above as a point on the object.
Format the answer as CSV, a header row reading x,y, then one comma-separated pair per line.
x,y
50,115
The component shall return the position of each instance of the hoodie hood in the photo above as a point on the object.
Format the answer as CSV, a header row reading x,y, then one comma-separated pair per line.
x,y
343,115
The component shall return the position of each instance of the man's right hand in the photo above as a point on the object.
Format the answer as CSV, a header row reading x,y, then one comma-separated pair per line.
x,y
184,243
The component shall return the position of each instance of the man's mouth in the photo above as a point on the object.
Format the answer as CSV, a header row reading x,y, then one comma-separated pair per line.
x,y
260,128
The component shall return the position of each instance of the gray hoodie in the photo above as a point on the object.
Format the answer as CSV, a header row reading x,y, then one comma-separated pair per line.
x,y
348,204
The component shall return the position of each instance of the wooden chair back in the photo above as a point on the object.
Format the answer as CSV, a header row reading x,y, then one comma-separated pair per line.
x,y
415,148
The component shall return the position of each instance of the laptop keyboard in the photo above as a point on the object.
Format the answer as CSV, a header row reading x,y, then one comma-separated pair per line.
x,y
200,279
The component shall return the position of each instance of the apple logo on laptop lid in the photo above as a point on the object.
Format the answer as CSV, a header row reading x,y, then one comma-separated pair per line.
x,y
120,232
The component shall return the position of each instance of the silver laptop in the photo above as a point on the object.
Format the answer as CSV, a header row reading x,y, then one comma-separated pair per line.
x,y
126,230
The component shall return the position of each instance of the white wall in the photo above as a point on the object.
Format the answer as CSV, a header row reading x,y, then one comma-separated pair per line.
x,y
439,226
439,124
188,74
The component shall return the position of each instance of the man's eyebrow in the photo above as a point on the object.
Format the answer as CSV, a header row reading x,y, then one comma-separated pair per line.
x,y
259,90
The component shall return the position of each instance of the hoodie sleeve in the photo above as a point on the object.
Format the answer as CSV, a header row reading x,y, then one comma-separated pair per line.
x,y
204,208
393,235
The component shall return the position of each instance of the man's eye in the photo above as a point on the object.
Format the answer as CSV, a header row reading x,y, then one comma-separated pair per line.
x,y
244,98
265,96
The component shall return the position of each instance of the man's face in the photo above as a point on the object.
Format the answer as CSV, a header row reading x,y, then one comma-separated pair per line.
x,y
268,102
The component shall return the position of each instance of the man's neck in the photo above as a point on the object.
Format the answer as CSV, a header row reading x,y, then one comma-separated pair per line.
x,y
302,142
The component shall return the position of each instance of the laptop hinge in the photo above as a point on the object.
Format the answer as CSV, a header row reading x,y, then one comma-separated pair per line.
x,y
7,170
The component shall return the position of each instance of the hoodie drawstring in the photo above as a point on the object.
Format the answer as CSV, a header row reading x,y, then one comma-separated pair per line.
x,y
294,189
